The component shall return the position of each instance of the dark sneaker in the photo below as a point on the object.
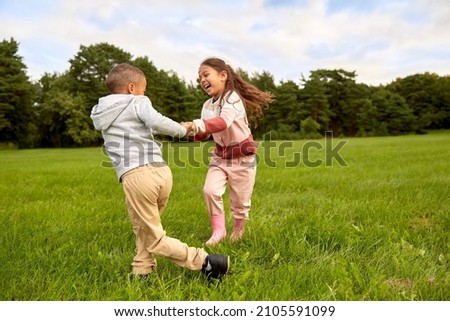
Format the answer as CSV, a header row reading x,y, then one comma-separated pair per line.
x,y
216,266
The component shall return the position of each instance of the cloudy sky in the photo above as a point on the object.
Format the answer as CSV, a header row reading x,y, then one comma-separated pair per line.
x,y
379,39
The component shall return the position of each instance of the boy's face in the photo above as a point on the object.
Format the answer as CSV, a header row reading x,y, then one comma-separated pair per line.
x,y
139,88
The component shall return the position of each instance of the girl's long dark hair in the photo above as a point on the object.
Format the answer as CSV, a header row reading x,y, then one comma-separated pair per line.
x,y
254,99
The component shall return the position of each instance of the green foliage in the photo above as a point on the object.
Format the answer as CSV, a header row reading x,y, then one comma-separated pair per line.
x,y
63,118
309,128
59,115
169,94
343,96
314,101
89,67
376,229
428,95
287,105
16,97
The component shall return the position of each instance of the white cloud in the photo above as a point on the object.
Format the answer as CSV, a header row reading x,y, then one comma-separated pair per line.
x,y
380,40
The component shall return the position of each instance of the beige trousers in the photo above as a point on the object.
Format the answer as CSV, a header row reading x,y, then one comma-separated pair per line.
x,y
147,191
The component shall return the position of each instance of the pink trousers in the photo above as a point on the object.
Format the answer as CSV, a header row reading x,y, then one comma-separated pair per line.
x,y
239,174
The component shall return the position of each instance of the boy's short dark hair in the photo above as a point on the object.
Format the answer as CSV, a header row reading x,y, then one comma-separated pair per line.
x,y
121,75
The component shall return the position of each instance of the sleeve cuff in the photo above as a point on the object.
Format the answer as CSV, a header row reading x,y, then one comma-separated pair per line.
x,y
199,126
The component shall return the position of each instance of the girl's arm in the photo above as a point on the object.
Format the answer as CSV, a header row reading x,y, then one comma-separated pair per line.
x,y
200,137
216,124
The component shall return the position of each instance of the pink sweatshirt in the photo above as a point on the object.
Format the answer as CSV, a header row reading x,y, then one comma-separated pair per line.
x,y
228,126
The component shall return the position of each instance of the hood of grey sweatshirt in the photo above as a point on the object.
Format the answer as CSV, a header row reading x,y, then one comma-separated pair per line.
x,y
108,109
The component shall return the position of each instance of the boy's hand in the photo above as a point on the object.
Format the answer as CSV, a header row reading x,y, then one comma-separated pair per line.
x,y
189,127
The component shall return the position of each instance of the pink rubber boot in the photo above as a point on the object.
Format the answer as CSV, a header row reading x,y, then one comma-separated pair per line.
x,y
218,230
238,230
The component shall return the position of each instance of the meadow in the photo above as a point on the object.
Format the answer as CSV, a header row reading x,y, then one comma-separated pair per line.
x,y
371,222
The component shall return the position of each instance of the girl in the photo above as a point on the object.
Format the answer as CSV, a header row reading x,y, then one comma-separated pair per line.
x,y
226,117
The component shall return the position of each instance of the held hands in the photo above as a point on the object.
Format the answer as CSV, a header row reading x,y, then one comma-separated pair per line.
x,y
190,128
194,127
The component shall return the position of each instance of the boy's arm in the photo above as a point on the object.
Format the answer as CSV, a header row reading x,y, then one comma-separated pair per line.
x,y
156,121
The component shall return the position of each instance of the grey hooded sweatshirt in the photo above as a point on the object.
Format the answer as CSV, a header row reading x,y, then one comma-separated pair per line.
x,y
128,123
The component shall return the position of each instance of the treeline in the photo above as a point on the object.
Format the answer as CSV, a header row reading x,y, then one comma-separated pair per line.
x,y
54,111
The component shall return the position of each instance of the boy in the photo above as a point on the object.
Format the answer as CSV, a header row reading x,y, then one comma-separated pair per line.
x,y
128,120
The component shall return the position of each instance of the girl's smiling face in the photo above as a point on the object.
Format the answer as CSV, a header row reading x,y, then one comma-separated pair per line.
x,y
212,81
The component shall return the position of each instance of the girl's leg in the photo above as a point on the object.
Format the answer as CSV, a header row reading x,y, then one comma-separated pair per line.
x,y
242,180
213,190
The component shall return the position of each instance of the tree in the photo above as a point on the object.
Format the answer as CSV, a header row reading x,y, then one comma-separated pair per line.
x,y
16,97
367,119
356,101
441,99
394,115
428,95
66,100
63,119
155,90
168,93
89,68
309,128
286,108
55,111
314,102
342,93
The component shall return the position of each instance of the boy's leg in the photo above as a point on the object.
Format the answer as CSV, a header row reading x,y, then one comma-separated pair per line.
x,y
143,262
147,190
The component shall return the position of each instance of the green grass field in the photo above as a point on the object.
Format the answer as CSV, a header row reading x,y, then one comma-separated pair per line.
x,y
377,228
